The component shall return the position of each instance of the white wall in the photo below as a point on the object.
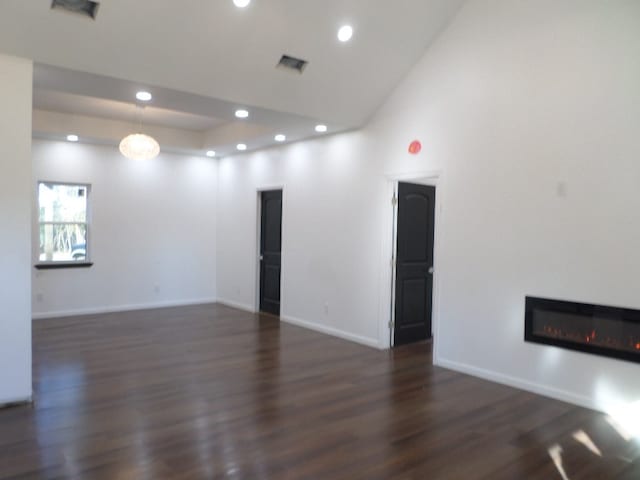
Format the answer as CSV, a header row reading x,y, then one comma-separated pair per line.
x,y
152,234
328,240
15,212
516,103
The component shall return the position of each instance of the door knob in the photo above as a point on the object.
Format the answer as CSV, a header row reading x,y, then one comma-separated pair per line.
x,y
430,270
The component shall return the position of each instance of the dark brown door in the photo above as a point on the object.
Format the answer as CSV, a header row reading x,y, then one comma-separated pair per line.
x,y
414,263
270,251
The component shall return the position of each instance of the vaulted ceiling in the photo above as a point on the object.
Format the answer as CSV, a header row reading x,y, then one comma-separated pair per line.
x,y
210,49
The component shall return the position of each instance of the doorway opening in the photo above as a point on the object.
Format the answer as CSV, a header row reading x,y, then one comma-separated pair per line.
x,y
413,275
270,251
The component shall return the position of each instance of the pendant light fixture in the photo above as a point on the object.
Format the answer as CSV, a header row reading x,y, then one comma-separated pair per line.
x,y
138,146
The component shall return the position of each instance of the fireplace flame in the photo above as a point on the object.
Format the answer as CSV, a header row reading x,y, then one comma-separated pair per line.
x,y
630,343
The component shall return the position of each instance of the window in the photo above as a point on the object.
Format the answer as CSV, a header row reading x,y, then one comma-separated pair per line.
x,y
63,223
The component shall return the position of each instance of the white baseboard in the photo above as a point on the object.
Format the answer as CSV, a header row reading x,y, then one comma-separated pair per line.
x,y
15,402
334,332
518,383
374,343
121,308
240,306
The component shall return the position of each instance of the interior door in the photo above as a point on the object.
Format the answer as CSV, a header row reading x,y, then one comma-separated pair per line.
x,y
414,263
270,251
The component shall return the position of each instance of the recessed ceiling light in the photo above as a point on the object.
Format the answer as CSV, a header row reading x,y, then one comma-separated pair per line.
x,y
321,128
241,3
72,138
241,146
144,96
280,138
211,154
242,113
345,33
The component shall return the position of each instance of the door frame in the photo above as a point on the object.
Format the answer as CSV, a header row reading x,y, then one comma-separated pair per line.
x,y
433,178
259,190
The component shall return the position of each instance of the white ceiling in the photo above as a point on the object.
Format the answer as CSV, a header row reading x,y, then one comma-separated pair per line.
x,y
124,111
68,101
204,58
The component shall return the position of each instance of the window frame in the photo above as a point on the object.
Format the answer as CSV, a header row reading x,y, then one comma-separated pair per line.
x,y
60,264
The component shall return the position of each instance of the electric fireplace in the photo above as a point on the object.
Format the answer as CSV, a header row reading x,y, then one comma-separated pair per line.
x,y
607,331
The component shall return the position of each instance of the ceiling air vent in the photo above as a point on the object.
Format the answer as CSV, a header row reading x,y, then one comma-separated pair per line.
x,y
292,64
85,8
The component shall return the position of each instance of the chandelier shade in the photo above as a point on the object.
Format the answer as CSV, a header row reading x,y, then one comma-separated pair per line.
x,y
139,146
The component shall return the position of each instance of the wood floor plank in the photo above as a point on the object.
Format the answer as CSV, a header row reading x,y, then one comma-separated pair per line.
x,y
208,391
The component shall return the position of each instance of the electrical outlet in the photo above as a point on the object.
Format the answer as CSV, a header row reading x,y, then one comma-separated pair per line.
x,y
39,297
326,309
156,288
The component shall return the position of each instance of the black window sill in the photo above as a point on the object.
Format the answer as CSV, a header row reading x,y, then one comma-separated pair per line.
x,y
61,265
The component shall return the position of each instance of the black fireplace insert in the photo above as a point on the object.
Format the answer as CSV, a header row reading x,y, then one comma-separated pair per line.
x,y
600,330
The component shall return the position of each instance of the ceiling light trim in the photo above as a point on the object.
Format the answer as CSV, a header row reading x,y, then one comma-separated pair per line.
x,y
242,113
345,33
144,96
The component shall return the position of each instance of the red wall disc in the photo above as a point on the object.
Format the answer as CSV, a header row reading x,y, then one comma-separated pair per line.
x,y
415,147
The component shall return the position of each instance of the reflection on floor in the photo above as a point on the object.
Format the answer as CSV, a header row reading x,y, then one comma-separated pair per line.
x,y
212,392
555,452
622,453
582,437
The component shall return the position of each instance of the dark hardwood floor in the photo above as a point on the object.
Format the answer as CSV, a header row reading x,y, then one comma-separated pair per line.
x,y
211,392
